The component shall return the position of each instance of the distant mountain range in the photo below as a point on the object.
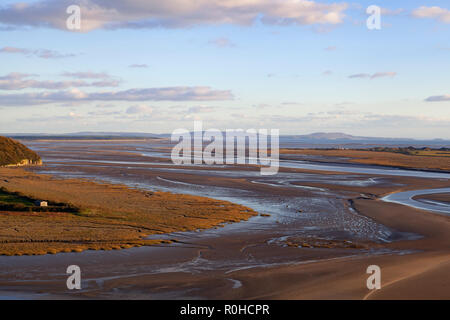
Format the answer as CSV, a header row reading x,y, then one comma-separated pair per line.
x,y
86,135
343,136
120,134
334,139
329,136
318,138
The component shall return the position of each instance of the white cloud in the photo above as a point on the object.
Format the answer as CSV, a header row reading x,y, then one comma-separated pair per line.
x,y
292,103
391,12
18,81
40,53
138,66
104,113
200,109
438,13
145,94
445,97
262,105
87,75
350,119
373,76
359,75
74,115
69,118
105,105
139,109
383,74
98,14
222,43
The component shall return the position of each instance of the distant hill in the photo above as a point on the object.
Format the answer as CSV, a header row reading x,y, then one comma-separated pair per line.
x,y
312,140
88,136
331,136
343,136
334,139
15,153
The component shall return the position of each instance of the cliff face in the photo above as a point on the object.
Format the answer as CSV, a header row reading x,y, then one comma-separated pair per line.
x,y
13,153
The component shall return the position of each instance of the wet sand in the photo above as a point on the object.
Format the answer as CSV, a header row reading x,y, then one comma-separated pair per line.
x,y
251,260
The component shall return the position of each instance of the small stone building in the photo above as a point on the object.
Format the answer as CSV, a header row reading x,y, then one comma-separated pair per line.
x,y
40,203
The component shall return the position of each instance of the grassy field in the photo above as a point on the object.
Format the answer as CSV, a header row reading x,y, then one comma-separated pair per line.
x,y
423,159
107,216
431,153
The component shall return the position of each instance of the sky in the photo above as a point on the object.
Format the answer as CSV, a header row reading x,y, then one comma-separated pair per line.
x,y
295,65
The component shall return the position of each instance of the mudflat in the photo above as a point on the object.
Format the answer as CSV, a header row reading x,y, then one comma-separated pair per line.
x,y
315,236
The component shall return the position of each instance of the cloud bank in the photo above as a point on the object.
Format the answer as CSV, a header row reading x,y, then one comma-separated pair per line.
x,y
445,97
107,14
40,53
146,94
437,13
19,81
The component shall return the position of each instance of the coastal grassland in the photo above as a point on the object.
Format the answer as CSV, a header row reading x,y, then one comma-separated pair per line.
x,y
431,153
107,216
423,159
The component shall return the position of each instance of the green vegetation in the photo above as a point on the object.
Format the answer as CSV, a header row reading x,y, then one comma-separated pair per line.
x,y
14,198
425,151
13,152
14,201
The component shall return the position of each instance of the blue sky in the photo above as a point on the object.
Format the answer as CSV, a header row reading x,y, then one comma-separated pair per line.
x,y
300,66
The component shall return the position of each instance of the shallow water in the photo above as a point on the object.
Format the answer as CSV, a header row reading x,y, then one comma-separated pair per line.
x,y
406,198
323,211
